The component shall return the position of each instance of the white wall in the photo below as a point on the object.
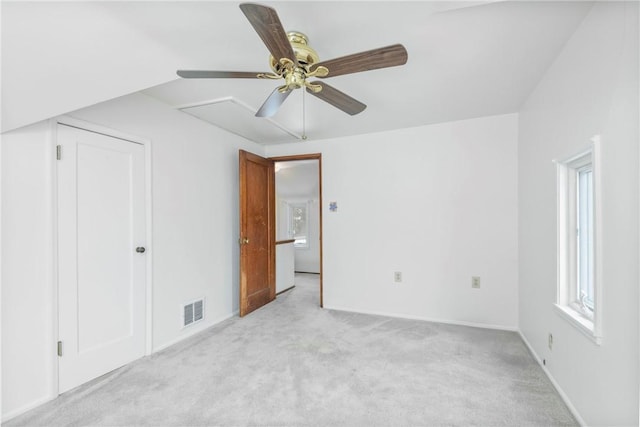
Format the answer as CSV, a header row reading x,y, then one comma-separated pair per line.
x,y
27,292
282,219
285,274
591,88
437,203
195,223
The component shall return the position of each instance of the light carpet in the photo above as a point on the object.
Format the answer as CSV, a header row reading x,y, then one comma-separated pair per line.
x,y
292,363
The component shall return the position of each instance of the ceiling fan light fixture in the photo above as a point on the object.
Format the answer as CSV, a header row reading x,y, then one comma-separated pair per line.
x,y
296,78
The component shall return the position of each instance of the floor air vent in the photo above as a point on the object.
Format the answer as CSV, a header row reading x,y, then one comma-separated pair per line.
x,y
192,312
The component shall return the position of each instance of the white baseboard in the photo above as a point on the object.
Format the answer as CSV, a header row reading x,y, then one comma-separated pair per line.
x,y
285,290
195,330
26,408
561,392
426,319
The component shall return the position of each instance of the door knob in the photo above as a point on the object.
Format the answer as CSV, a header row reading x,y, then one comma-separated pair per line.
x,y
245,240
140,249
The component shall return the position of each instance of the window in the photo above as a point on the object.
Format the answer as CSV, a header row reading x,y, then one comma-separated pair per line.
x,y
579,288
299,224
584,240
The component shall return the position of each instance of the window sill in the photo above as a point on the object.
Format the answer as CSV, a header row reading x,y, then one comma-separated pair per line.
x,y
584,325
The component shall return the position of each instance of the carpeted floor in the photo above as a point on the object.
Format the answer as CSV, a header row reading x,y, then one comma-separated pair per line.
x,y
292,363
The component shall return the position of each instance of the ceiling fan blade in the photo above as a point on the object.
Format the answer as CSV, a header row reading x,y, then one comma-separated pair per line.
x,y
273,103
388,56
338,99
203,74
265,21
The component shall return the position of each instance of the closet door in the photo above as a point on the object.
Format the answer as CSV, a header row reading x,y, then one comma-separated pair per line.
x,y
101,254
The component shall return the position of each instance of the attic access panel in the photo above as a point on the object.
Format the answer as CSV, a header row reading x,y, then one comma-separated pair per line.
x,y
238,118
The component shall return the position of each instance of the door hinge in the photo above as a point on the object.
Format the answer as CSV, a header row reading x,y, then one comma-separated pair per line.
x,y
60,348
58,152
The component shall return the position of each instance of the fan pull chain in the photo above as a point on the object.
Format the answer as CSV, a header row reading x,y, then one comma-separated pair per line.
x,y
304,115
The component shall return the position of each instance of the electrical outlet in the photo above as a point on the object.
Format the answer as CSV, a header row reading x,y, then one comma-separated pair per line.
x,y
550,341
475,282
397,276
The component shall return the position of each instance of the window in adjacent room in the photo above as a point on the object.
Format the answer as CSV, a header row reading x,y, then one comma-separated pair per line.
x,y
299,224
579,288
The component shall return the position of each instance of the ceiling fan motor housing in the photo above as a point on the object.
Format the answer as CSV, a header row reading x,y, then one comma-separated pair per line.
x,y
305,55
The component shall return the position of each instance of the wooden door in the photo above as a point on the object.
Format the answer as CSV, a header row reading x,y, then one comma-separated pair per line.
x,y
257,232
101,260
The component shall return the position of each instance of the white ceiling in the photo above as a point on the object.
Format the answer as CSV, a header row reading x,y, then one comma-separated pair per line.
x,y
466,59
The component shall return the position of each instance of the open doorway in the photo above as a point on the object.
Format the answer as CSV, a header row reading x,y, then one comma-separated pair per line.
x,y
298,192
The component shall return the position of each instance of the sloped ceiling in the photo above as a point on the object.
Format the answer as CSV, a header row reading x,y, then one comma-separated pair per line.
x,y
466,59
297,179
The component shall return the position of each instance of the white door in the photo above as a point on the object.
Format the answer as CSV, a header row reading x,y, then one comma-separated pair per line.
x,y
101,270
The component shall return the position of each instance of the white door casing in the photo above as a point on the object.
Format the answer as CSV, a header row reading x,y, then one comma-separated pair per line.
x,y
101,277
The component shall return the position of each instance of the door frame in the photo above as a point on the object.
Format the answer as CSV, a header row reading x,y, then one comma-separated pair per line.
x,y
318,157
53,240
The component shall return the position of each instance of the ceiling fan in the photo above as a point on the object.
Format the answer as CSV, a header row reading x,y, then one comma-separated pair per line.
x,y
293,60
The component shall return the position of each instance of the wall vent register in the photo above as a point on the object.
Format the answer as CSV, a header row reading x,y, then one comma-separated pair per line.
x,y
192,312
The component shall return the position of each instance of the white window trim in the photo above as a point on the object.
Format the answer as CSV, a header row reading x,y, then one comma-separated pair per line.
x,y
591,327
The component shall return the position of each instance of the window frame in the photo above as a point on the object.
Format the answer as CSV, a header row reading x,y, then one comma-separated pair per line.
x,y
567,303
